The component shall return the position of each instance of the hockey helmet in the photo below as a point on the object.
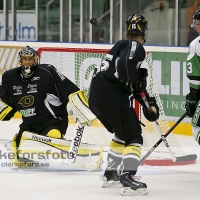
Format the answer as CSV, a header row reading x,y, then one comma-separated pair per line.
x,y
136,25
196,17
28,60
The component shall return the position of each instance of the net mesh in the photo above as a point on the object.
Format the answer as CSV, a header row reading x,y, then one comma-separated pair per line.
x,y
78,65
150,132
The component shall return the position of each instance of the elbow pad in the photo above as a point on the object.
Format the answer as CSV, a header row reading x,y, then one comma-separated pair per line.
x,y
6,112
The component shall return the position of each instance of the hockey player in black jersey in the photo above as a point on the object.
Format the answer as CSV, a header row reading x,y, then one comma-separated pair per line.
x,y
44,96
40,93
113,89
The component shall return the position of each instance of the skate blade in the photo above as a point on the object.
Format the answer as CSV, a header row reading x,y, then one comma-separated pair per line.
x,y
127,191
107,184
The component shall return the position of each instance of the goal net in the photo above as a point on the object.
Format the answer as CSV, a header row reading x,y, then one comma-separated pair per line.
x,y
77,64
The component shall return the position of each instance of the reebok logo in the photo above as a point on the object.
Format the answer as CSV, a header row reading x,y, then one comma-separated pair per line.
x,y
35,79
41,139
76,142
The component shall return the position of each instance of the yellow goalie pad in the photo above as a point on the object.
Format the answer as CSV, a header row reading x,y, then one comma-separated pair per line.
x,y
13,157
42,149
78,108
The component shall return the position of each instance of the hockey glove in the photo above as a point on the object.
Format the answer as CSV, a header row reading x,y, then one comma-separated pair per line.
x,y
190,105
141,85
154,115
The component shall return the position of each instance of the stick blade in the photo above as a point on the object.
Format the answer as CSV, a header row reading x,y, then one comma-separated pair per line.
x,y
190,157
182,160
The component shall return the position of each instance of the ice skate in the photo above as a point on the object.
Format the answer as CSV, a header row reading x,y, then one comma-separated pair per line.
x,y
110,178
131,186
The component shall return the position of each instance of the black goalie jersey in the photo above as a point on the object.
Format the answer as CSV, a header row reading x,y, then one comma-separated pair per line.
x,y
42,98
112,86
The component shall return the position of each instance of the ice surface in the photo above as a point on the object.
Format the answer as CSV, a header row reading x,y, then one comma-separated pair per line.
x,y
59,183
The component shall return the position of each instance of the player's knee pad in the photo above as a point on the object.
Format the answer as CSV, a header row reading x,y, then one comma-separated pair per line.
x,y
54,133
117,145
196,133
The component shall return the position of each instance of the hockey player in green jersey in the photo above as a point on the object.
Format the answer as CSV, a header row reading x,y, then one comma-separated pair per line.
x,y
193,73
120,80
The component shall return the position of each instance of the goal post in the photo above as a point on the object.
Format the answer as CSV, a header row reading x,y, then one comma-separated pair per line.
x,y
77,64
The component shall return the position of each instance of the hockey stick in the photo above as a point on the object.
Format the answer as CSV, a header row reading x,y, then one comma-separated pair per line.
x,y
163,138
158,127
75,144
182,158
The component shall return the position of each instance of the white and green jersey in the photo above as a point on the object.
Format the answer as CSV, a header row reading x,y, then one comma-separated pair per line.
x,y
193,73
193,64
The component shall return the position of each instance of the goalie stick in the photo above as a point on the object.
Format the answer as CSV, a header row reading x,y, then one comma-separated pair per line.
x,y
75,143
163,138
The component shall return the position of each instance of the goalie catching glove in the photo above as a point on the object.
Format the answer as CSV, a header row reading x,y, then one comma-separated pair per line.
x,y
154,115
78,108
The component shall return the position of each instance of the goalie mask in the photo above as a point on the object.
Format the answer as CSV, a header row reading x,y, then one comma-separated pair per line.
x,y
28,60
137,25
196,18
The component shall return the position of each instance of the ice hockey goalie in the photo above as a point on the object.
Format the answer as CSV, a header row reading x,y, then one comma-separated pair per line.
x,y
44,97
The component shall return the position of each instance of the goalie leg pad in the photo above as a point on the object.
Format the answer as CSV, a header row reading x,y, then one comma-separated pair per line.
x,y
54,133
13,158
57,130
11,147
41,148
